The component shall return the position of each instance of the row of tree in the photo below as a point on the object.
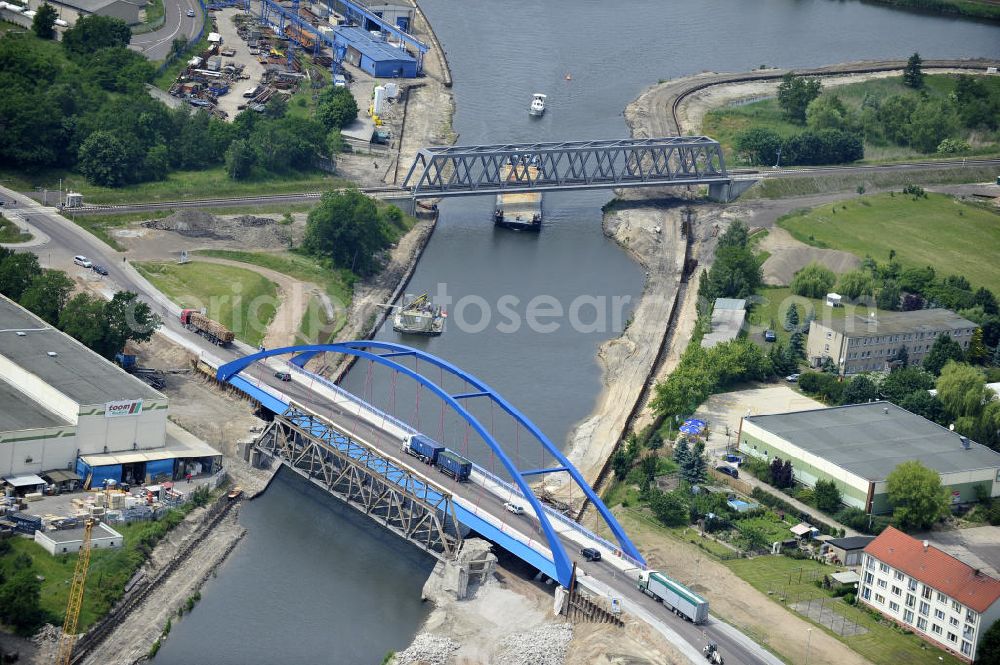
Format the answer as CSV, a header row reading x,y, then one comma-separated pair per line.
x,y
104,326
760,146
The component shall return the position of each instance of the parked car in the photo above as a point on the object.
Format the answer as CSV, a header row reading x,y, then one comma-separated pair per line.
x,y
514,508
792,378
190,13
591,554
733,459
81,260
769,336
99,269
283,376
728,470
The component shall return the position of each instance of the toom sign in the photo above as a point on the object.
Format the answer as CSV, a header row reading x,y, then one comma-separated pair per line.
x,y
129,407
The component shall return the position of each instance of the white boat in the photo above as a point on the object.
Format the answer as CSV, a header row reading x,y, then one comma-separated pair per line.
x,y
537,107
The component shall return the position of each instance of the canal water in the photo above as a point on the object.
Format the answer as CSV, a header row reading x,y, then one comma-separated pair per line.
x,y
311,583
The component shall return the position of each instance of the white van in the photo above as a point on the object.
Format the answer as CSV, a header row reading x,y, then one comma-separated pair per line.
x,y
82,261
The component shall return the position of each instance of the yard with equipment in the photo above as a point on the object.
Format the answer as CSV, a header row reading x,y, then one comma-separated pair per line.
x,y
940,231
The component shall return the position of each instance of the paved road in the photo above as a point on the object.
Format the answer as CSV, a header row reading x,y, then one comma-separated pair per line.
x,y
65,239
156,45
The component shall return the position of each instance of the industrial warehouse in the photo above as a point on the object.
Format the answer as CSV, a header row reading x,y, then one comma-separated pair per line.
x,y
857,446
68,416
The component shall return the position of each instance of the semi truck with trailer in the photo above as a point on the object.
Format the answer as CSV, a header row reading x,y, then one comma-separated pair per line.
x,y
422,447
211,330
454,465
677,597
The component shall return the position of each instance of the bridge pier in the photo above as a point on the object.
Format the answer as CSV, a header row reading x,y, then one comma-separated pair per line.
x,y
725,192
458,577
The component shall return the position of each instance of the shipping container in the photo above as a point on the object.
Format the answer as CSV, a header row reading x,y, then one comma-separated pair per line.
x,y
25,523
422,448
454,465
681,600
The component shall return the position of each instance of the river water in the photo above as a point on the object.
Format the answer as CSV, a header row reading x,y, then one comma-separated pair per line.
x,y
310,582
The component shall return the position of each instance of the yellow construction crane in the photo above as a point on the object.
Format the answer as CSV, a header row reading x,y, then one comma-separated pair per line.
x,y
75,597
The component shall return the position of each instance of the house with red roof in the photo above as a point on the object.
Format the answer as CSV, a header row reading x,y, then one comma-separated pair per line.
x,y
945,601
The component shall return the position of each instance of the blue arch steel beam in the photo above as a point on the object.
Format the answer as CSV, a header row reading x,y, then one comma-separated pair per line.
x,y
359,349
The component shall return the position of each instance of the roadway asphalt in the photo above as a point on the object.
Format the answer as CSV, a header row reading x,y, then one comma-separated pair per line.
x,y
156,45
66,239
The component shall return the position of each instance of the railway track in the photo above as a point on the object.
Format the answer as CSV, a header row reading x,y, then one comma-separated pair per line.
x,y
224,202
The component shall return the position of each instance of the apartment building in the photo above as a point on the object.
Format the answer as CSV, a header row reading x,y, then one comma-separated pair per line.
x,y
946,602
865,343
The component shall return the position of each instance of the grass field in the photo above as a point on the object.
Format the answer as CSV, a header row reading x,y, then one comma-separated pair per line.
x,y
951,236
777,188
11,232
725,123
109,570
337,283
209,183
793,580
239,299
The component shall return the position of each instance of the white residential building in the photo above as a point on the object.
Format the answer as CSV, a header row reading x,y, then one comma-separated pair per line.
x,y
946,602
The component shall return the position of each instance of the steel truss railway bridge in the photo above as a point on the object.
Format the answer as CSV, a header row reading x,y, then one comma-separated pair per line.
x,y
569,165
356,456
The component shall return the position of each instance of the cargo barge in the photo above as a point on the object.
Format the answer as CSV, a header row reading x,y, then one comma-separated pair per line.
x,y
520,211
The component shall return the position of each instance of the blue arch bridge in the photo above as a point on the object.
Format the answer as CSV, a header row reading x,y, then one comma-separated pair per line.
x,y
356,451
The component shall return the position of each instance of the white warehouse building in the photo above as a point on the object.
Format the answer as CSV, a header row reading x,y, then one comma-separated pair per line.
x,y
67,414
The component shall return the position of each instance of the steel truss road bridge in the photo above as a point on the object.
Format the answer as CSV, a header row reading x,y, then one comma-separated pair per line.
x,y
567,165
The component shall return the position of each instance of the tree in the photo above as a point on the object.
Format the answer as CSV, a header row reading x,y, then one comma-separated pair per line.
x,y
827,496
17,272
924,404
859,390
787,476
345,227
888,296
20,601
943,350
828,112
682,452
693,470
128,320
621,464
177,46
47,295
792,317
92,33
932,122
913,75
240,158
775,472
989,647
902,357
794,95
904,381
797,344
44,23
977,352
83,319
276,107
962,390
669,508
894,117
813,281
337,108
737,235
856,283
107,160
735,273
758,145
916,495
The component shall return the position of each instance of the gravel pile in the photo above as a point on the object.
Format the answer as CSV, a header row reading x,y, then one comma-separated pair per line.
x,y
428,649
545,645
249,230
